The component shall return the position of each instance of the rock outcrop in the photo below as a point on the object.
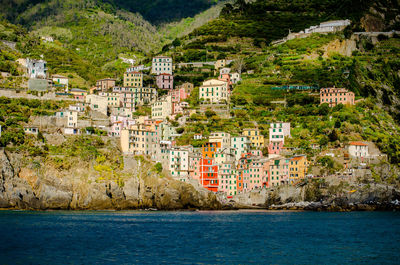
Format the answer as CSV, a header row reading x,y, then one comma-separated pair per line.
x,y
22,187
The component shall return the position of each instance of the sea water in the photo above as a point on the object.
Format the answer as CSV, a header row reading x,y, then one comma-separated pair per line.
x,y
241,237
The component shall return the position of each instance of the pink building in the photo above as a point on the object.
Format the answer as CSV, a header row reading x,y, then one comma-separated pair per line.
x,y
255,175
178,94
194,166
279,171
165,81
275,147
118,123
335,96
226,78
179,107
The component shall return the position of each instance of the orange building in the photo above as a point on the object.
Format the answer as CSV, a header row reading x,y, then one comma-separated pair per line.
x,y
335,96
208,150
209,174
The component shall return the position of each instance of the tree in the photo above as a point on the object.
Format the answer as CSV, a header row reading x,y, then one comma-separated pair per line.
x,y
238,65
333,136
209,113
40,137
158,167
323,109
176,43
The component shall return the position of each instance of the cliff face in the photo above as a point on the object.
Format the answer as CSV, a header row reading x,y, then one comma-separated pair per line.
x,y
327,197
80,188
22,187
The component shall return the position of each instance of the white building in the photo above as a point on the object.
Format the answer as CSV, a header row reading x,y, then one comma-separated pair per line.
x,y
278,131
37,69
162,65
358,150
72,119
198,136
224,70
329,26
162,108
97,103
136,68
235,78
179,163
214,91
240,145
220,137
60,80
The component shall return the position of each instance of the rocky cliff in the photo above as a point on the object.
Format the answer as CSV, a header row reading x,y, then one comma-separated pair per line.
x,y
322,196
41,187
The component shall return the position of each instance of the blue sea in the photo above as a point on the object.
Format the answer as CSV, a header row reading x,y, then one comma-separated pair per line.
x,y
135,237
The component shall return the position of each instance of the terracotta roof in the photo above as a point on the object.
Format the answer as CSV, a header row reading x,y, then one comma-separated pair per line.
x,y
358,143
296,158
134,72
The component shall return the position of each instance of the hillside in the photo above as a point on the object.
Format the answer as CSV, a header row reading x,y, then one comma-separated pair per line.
x,y
93,38
60,59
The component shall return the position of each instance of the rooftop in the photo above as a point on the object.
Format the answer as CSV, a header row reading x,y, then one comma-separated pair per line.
x,y
358,143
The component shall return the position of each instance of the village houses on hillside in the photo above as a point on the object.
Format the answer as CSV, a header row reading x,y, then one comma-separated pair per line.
x,y
221,162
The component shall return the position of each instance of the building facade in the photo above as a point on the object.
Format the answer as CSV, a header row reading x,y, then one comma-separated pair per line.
x,y
255,137
358,150
37,69
162,108
165,81
133,79
335,96
161,65
214,91
105,84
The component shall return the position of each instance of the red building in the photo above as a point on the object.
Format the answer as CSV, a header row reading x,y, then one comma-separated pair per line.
x,y
209,174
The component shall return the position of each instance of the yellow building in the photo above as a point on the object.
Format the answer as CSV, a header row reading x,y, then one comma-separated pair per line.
x,y
255,137
140,139
133,79
298,167
113,99
214,91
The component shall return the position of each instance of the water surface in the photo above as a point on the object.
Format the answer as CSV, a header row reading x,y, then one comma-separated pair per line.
x,y
199,237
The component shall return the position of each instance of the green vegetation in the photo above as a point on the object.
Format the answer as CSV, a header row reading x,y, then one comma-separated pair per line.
x,y
14,113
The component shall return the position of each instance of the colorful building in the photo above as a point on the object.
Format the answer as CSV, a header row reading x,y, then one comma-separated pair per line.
x,y
298,168
208,150
161,65
227,179
165,81
178,94
220,137
209,174
358,150
130,97
255,137
240,146
79,94
105,84
162,108
214,91
113,98
179,163
133,79
335,96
